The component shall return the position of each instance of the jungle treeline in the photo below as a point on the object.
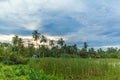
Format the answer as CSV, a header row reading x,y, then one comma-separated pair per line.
x,y
16,52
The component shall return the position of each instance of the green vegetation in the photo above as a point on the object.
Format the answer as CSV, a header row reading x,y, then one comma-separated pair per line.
x,y
16,50
21,72
58,61
62,69
78,69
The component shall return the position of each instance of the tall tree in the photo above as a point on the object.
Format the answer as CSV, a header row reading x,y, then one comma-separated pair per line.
x,y
92,53
43,40
51,43
85,45
15,40
84,52
20,41
15,43
18,45
36,35
60,42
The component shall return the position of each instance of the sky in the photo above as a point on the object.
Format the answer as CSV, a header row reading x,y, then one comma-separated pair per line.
x,y
96,22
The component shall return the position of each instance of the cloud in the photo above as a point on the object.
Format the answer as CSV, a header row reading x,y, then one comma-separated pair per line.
x,y
28,14
96,22
8,38
16,13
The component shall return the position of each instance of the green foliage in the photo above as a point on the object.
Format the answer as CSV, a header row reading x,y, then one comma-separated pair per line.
x,y
16,52
21,72
1,54
60,42
14,59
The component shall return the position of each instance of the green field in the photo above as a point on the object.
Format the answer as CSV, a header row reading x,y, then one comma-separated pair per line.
x,y
63,69
79,69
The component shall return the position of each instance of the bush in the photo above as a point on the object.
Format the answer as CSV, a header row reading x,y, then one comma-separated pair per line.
x,y
14,59
22,73
18,60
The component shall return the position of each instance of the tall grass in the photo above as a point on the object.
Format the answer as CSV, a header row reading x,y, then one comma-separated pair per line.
x,y
78,69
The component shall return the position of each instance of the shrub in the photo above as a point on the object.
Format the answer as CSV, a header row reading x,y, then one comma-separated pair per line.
x,y
14,59
22,73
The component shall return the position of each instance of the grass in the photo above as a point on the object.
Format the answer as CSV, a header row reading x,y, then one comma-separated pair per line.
x,y
78,69
63,69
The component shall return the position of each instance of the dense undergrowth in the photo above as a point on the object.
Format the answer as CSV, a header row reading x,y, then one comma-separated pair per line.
x,y
22,72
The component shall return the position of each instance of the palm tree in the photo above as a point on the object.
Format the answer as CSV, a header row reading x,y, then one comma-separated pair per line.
x,y
74,49
84,52
51,43
20,46
36,35
20,41
17,44
61,42
85,45
15,40
43,40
